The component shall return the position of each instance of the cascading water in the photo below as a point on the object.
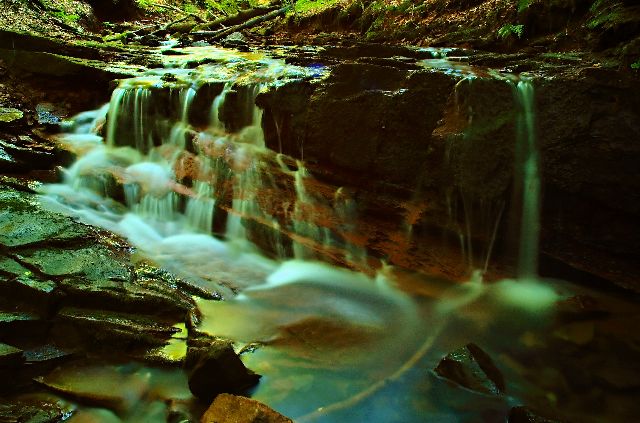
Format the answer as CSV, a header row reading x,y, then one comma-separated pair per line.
x,y
177,147
527,161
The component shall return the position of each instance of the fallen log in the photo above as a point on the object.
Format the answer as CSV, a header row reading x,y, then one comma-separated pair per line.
x,y
177,9
238,18
216,35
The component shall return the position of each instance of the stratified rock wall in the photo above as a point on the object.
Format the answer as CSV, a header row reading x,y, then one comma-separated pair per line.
x,y
396,135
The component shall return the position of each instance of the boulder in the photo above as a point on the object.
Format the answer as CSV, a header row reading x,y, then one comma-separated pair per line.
x,y
231,408
215,368
472,368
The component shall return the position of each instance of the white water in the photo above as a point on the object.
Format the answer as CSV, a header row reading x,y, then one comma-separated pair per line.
x,y
527,159
156,179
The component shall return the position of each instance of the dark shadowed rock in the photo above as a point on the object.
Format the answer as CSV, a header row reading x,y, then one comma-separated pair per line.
x,y
150,297
101,330
472,368
236,409
525,415
214,368
18,285
10,356
20,327
35,408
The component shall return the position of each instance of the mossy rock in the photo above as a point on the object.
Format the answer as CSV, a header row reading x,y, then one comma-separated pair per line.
x,y
9,114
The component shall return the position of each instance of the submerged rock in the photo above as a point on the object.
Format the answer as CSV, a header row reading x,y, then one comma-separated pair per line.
x,y
472,368
216,368
236,409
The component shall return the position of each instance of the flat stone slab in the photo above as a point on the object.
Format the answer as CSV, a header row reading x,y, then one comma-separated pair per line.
x,y
96,262
24,222
102,329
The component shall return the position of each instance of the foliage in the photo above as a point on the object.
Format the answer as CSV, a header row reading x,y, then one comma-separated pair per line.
x,y
510,29
636,65
65,17
524,4
606,14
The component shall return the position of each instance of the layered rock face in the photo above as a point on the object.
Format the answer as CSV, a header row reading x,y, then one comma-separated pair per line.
x,y
432,152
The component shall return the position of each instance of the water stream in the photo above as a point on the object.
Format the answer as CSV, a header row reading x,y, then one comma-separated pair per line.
x,y
176,163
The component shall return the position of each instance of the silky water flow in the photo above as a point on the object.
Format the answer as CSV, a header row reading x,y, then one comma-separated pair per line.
x,y
338,345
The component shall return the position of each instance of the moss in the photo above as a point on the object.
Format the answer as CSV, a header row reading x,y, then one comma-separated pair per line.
x,y
307,7
9,114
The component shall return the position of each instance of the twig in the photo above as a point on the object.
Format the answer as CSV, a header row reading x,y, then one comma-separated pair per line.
x,y
216,35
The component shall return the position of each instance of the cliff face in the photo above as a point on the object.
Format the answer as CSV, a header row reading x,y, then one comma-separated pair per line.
x,y
431,142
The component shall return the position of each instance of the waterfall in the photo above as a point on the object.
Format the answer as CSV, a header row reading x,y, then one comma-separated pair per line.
x,y
180,146
527,164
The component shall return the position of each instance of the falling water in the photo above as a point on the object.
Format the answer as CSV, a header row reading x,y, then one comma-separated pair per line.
x,y
527,160
154,175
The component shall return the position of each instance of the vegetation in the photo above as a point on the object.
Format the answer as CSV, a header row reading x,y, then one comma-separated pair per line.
x,y
510,29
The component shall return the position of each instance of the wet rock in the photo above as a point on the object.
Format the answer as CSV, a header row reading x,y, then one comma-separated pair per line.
x,y
10,356
169,77
23,222
55,65
215,368
10,115
236,40
149,40
102,330
94,263
48,116
401,115
237,409
148,297
472,368
525,415
24,154
21,327
99,386
35,408
18,285
46,354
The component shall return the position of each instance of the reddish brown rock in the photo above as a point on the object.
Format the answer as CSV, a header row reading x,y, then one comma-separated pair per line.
x,y
235,409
